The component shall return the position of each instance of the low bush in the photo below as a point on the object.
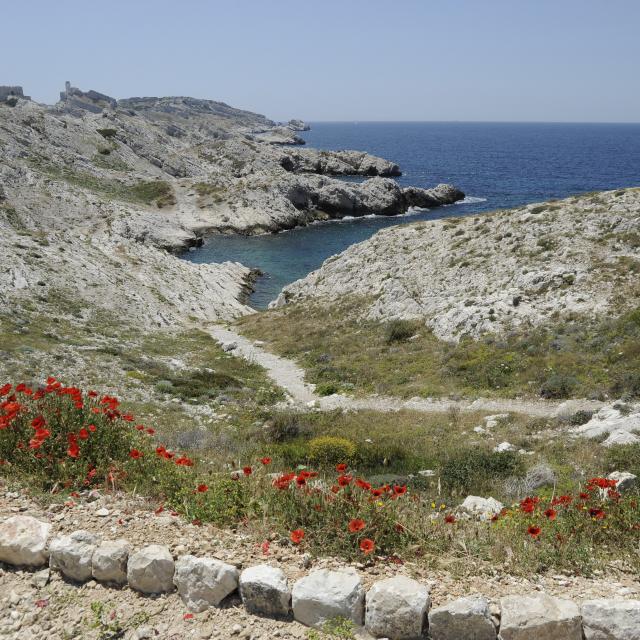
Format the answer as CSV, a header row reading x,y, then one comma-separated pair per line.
x,y
475,469
558,386
399,331
331,450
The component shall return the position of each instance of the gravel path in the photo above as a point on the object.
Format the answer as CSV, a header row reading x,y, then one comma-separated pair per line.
x,y
288,375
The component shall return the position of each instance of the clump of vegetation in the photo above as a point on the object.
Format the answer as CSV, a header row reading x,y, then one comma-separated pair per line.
x,y
155,192
330,450
399,331
107,134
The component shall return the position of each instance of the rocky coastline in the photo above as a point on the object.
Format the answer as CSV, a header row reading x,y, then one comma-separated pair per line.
x,y
121,184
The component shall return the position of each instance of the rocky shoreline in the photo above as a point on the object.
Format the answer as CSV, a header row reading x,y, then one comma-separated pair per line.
x,y
94,186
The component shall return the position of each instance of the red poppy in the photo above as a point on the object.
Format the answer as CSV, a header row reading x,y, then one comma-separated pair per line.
x,y
83,434
597,514
265,547
296,536
4,389
341,468
450,519
38,423
367,546
400,490
140,427
301,481
534,532
551,514
93,394
356,525
376,493
247,471
528,505
584,496
265,461
202,488
150,431
344,480
159,510
187,616
335,489
183,461
363,484
135,454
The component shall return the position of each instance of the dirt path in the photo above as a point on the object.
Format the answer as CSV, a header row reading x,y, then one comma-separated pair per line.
x,y
288,375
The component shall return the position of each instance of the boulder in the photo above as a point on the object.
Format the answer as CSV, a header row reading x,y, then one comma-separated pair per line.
x,y
427,198
150,570
620,436
324,595
71,555
396,608
463,619
481,508
624,480
109,562
204,582
611,619
539,617
265,592
23,541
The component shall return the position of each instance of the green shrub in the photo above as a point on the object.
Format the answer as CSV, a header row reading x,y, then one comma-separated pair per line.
x,y
327,388
331,450
474,469
153,192
558,386
399,331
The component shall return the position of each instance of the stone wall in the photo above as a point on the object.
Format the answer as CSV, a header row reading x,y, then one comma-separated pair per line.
x,y
397,608
7,92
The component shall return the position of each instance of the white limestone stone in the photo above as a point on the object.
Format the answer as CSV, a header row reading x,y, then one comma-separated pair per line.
x,y
463,619
23,541
611,619
71,555
150,570
265,591
204,582
109,562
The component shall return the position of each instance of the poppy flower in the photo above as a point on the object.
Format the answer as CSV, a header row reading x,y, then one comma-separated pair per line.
x,y
135,454
551,514
182,461
534,532
150,431
400,490
297,536
363,484
140,427
93,394
356,525
202,488
376,493
335,489
301,481
74,450
367,546
83,434
92,427
187,616
265,547
344,480
265,461
247,471
341,468
450,519
38,423
159,510
4,389
597,514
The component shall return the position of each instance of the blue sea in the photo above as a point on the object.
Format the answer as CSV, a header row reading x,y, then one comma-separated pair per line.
x,y
497,165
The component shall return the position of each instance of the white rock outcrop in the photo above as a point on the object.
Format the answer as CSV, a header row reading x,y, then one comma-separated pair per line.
x,y
265,591
204,582
463,619
72,554
611,420
109,562
539,617
624,480
150,570
324,595
611,619
396,608
23,541
481,508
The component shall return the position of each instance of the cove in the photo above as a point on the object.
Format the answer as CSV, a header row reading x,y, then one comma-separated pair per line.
x,y
497,165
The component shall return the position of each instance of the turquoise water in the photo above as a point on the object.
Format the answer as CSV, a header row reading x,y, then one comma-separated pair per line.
x,y
496,165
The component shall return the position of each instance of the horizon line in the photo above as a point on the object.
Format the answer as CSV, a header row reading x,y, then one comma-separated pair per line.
x,y
356,121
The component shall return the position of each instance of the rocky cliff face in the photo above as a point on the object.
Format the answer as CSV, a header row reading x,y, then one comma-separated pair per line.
x,y
470,276
94,191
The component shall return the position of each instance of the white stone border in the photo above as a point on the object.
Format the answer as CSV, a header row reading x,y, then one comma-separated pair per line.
x,y
396,608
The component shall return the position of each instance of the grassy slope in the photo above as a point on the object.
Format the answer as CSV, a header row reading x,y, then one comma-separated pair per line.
x,y
571,357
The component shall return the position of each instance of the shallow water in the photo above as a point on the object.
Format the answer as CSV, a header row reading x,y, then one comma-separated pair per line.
x,y
497,165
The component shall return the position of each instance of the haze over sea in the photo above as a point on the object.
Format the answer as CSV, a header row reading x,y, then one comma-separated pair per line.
x,y
498,165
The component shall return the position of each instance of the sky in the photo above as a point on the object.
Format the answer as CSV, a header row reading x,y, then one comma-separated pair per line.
x,y
474,60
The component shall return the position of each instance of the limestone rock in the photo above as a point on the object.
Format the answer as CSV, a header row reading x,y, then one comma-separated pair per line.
x,y
620,436
265,591
72,554
463,619
396,608
109,562
611,619
23,541
324,595
539,617
481,508
541,475
150,570
204,582
624,480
